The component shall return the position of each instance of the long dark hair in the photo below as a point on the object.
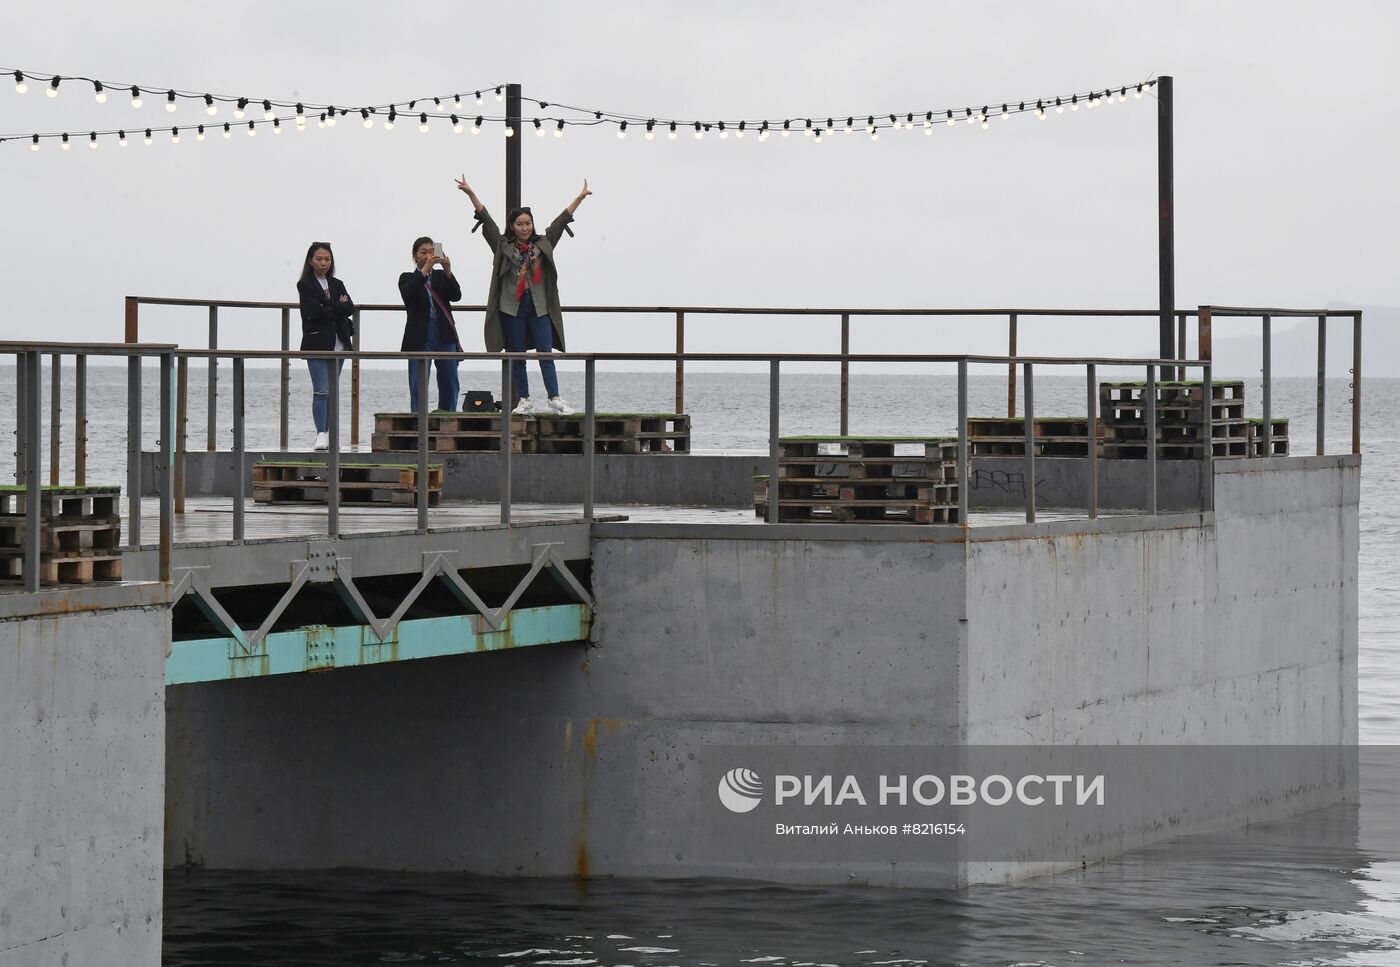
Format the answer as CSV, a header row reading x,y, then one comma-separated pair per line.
x,y
307,272
516,213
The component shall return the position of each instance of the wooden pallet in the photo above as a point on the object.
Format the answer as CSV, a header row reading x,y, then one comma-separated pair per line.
x,y
1175,433
63,568
1234,447
59,535
450,433
1171,393
293,482
1053,436
1278,442
63,502
865,512
615,433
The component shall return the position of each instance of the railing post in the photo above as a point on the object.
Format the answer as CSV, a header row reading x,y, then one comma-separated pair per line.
x,y
962,444
845,373
1149,404
355,384
80,420
133,325
182,392
504,466
422,421
21,420
1093,443
213,414
773,450
1030,445
165,461
1265,395
284,371
1321,384
133,451
589,386
333,454
1011,369
239,443
1203,332
1181,344
1356,383
55,417
680,363
30,444
1208,460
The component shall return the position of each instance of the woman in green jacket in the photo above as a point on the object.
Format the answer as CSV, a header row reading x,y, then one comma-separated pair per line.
x,y
522,307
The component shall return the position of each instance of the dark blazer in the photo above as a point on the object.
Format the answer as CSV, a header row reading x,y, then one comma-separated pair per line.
x,y
413,288
323,319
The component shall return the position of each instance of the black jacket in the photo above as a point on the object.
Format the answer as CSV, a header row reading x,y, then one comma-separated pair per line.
x,y
323,319
413,288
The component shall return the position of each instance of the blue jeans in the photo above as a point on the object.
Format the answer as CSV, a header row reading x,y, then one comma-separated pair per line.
x,y
320,388
541,331
446,373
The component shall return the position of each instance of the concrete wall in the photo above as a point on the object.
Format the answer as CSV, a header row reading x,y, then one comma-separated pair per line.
x,y
1238,627
82,776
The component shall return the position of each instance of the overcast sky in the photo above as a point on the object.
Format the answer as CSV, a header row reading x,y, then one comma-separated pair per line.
x,y
1286,148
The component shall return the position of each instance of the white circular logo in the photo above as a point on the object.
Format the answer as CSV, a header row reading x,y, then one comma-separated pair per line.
x,y
740,790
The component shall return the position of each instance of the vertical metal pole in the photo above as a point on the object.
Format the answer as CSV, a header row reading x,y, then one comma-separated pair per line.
x,y
512,159
589,385
30,444
1208,461
1030,446
1011,369
1356,383
845,373
333,454
355,384
773,516
55,416
1181,344
132,331
1203,332
182,392
133,451
240,442
1149,405
1267,387
1166,219
286,379
165,461
212,417
680,363
1321,384
80,420
21,417
422,422
504,473
1093,443
962,444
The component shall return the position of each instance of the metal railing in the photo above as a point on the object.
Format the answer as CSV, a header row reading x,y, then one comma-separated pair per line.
x,y
173,383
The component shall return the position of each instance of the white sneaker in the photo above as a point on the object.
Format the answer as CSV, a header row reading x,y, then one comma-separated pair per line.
x,y
323,442
557,404
524,407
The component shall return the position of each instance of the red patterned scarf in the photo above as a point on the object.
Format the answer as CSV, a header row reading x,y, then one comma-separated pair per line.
x,y
529,267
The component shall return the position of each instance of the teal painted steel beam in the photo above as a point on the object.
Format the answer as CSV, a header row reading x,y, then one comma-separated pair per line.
x,y
320,647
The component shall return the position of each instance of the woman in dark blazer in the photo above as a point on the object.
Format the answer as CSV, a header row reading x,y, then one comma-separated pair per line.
x,y
427,298
327,324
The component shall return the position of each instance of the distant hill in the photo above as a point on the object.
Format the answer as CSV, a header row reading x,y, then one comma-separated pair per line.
x,y
1295,348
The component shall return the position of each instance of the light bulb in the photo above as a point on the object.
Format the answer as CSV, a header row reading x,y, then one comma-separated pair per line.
x,y
740,133
671,134
92,140
510,131
539,128
456,125
1122,94
209,107
330,118
268,112
928,128
849,122
320,122
1059,107
476,126
199,133
252,129
1074,103
66,143
389,121
174,135
52,91
1005,114
950,119
170,101
874,135
98,94
478,99
20,88
276,126
723,134
650,134
301,122
147,138
228,131
984,122
699,134
121,138
1138,93
499,95
34,145
423,123
622,131
457,102
135,97
559,129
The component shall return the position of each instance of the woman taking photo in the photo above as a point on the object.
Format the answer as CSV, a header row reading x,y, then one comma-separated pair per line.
x,y
522,307
327,325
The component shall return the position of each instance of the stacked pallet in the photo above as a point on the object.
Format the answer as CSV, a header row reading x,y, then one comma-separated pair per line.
x,y
298,482
1054,436
451,433
1179,429
910,480
1278,438
614,433
79,534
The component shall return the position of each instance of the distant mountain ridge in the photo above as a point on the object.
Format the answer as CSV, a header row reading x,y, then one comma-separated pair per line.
x,y
1295,348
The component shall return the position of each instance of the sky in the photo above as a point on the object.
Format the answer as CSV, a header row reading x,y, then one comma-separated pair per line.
x,y
1285,130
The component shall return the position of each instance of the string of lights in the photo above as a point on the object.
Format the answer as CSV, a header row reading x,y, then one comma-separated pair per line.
x,y
457,116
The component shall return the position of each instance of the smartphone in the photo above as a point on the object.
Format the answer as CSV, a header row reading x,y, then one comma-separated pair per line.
x,y
437,249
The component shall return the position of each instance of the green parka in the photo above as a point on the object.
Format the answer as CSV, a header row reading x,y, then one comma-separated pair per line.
x,y
504,266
